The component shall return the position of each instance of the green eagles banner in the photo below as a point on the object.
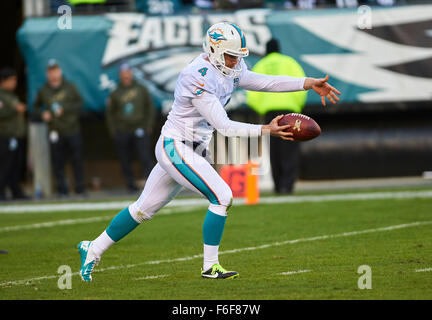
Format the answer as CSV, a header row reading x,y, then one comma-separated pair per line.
x,y
372,55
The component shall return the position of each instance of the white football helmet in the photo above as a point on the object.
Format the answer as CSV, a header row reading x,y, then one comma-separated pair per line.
x,y
225,37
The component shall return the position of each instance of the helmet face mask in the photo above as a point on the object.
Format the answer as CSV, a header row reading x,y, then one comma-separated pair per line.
x,y
226,38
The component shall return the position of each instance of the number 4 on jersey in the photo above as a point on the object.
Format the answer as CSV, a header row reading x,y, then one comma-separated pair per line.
x,y
203,71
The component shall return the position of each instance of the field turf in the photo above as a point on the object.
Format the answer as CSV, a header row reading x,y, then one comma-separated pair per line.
x,y
284,251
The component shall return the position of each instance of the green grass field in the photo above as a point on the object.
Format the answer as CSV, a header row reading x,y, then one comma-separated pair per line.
x,y
284,251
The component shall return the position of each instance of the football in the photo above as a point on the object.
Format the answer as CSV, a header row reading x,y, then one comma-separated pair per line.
x,y
303,127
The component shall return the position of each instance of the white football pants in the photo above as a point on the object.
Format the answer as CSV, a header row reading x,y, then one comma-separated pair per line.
x,y
180,166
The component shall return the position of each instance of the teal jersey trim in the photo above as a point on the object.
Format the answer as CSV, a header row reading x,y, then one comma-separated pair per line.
x,y
187,172
121,225
213,228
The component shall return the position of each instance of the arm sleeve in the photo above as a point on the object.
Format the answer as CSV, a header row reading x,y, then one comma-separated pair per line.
x,y
261,82
8,108
212,110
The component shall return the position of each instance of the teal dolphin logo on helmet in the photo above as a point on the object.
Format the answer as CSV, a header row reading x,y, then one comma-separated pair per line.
x,y
216,36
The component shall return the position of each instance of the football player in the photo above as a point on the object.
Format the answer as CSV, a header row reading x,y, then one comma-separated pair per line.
x,y
203,88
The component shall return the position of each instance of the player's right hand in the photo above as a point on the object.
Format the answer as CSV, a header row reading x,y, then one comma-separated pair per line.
x,y
276,130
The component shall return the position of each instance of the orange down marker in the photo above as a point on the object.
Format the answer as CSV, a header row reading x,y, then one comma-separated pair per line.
x,y
252,188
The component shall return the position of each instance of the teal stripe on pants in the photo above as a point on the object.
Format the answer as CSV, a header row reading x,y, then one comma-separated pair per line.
x,y
187,172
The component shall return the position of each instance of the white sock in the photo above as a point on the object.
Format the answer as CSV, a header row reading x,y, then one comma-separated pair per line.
x,y
210,256
101,244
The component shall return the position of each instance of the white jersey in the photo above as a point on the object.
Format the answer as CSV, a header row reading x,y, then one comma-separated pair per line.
x,y
202,92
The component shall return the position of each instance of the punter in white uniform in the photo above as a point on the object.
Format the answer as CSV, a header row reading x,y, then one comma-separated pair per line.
x,y
203,88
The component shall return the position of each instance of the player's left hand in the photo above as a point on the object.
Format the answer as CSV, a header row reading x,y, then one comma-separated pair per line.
x,y
325,90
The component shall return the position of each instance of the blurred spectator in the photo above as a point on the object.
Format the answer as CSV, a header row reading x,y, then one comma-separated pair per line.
x,y
238,4
58,103
95,6
12,135
205,4
284,155
158,6
55,4
86,2
356,3
304,4
347,3
129,116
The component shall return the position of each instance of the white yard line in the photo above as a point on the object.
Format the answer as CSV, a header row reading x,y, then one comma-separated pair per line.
x,y
193,203
424,270
50,224
293,272
54,223
181,205
88,206
153,277
264,246
349,196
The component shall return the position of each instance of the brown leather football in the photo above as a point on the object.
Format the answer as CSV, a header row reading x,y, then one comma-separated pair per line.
x,y
303,127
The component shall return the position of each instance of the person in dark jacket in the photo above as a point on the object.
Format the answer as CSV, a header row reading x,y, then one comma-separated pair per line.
x,y
58,103
12,135
129,116
284,157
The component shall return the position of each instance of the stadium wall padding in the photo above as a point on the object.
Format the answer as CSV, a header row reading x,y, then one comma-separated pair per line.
x,y
383,61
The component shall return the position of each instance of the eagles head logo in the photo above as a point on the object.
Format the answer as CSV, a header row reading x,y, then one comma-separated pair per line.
x,y
216,36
